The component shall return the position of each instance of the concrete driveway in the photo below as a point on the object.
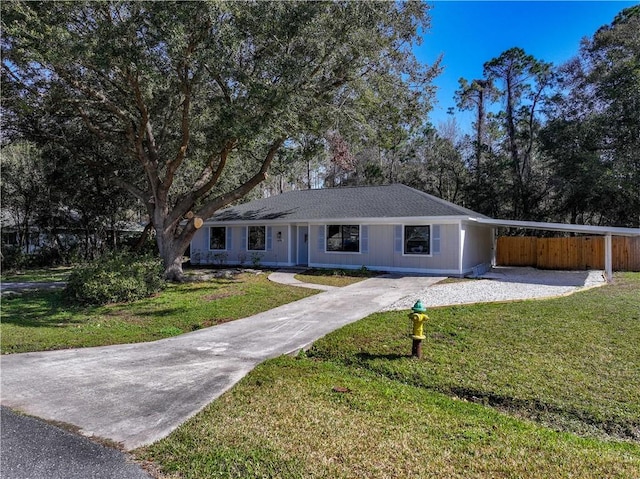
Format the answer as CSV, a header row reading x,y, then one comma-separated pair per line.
x,y
135,394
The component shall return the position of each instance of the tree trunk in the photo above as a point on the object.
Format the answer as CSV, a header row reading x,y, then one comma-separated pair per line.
x,y
171,252
143,237
172,233
173,268
513,150
480,128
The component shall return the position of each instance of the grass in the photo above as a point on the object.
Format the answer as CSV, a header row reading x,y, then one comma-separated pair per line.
x,y
530,389
42,321
38,275
570,362
335,277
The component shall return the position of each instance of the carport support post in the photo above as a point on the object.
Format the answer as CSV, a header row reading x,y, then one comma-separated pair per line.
x,y
494,246
608,255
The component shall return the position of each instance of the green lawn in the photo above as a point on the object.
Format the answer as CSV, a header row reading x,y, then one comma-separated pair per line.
x,y
533,389
335,277
42,321
39,275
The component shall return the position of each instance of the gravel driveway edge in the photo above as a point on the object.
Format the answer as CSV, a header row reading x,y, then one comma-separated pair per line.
x,y
505,284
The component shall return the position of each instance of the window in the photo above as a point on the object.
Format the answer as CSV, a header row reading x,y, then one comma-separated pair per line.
x,y
218,237
257,238
10,238
416,240
343,238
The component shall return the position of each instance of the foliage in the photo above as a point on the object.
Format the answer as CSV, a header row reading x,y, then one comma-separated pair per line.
x,y
359,406
435,166
21,184
593,136
190,102
114,278
45,256
126,94
61,213
12,258
507,141
42,321
220,258
296,166
256,259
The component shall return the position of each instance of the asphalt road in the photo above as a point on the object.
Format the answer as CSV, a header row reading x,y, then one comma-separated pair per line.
x,y
34,449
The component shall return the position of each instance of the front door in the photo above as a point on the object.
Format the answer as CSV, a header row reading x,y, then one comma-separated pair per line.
x,y
303,245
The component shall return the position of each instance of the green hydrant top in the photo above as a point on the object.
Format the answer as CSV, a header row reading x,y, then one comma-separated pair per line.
x,y
419,307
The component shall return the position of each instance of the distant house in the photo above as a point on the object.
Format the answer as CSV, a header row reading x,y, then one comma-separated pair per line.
x,y
389,228
31,238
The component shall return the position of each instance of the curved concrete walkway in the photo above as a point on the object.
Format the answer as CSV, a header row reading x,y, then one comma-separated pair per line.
x,y
135,394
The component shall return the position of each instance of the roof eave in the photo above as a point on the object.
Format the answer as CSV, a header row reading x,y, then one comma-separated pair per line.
x,y
352,220
568,228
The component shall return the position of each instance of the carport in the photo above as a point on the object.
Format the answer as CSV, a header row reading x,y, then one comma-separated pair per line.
x,y
607,231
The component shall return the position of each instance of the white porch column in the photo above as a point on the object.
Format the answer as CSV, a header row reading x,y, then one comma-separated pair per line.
x,y
608,257
289,243
494,246
461,235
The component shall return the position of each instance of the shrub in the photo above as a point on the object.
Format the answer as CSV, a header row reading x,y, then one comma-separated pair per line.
x,y
115,278
12,258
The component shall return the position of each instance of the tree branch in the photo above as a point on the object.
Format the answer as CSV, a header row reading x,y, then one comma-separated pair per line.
x,y
92,93
223,200
92,127
134,190
207,180
183,74
212,206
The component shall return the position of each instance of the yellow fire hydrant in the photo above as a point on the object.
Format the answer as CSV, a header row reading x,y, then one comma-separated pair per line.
x,y
418,319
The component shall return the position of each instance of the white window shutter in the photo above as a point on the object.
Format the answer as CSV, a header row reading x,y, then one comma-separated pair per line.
x,y
269,238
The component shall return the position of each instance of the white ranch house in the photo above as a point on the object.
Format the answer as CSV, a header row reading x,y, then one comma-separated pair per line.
x,y
390,228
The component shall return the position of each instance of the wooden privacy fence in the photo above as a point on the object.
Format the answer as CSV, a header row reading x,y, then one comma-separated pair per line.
x,y
580,252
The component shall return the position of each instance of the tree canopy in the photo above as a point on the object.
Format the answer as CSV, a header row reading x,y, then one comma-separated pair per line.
x,y
187,105
189,102
592,138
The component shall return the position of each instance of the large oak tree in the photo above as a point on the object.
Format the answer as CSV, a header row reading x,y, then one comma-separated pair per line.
x,y
189,102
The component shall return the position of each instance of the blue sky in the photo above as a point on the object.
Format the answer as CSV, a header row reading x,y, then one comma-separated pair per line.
x,y
469,33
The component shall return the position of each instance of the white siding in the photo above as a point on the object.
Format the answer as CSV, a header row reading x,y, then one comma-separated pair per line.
x,y
383,255
381,251
276,254
477,246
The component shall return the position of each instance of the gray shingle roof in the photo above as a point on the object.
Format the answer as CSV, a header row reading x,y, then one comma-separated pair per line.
x,y
335,203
